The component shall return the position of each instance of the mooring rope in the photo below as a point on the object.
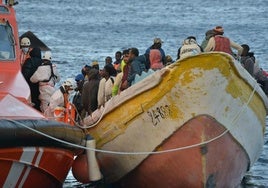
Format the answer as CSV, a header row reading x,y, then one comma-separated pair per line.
x,y
236,117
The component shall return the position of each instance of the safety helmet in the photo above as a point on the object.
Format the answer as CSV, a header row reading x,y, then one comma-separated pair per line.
x,y
47,56
25,41
69,82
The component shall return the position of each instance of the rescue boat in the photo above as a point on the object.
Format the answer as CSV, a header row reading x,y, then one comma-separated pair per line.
x,y
198,122
34,151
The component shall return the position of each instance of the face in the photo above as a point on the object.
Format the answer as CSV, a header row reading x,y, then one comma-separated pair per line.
x,y
25,50
131,56
117,56
126,57
108,60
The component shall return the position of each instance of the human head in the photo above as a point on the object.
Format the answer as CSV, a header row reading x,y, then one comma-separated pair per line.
x,y
85,69
158,41
218,30
168,60
245,49
125,55
47,56
133,53
95,65
25,44
189,40
108,60
68,85
110,70
79,78
118,55
93,74
210,33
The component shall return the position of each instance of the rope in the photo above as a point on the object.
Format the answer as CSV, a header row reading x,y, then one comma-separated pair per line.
x,y
145,153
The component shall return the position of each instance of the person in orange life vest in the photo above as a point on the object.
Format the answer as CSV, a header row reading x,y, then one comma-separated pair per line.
x,y
60,97
47,76
25,45
222,43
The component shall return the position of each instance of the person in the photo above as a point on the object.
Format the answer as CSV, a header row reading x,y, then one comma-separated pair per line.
x,y
25,45
189,47
85,70
60,97
77,99
95,65
119,76
155,60
28,68
221,43
47,76
210,33
124,59
157,44
108,60
247,60
90,93
106,85
135,66
169,60
117,62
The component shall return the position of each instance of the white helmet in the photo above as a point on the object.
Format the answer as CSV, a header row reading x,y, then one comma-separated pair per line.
x,y
25,42
47,56
69,82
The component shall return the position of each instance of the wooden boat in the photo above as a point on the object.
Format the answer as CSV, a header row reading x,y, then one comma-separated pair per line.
x,y
34,151
197,123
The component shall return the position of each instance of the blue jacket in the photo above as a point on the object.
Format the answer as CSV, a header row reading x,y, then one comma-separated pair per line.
x,y
137,66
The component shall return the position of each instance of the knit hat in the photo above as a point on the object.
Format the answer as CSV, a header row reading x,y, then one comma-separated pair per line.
x,y
158,41
94,63
219,29
79,77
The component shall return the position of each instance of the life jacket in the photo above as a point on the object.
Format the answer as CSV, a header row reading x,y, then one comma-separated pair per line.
x,y
67,113
222,44
189,48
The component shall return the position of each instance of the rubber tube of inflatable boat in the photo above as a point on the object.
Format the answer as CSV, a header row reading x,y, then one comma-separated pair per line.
x,y
94,171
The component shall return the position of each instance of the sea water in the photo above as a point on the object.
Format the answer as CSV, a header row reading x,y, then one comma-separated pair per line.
x,y
79,32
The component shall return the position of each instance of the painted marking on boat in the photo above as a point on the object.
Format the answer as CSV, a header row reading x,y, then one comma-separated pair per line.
x,y
159,113
19,171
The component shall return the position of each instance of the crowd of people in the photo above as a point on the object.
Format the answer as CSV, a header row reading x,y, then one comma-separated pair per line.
x,y
94,86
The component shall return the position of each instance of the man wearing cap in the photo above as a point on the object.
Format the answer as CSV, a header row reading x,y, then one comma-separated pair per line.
x,y
156,45
222,43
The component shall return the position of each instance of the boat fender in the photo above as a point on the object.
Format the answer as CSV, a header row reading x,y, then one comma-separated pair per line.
x,y
85,167
94,170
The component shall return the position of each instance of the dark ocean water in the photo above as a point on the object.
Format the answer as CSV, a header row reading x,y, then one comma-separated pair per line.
x,y
81,31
